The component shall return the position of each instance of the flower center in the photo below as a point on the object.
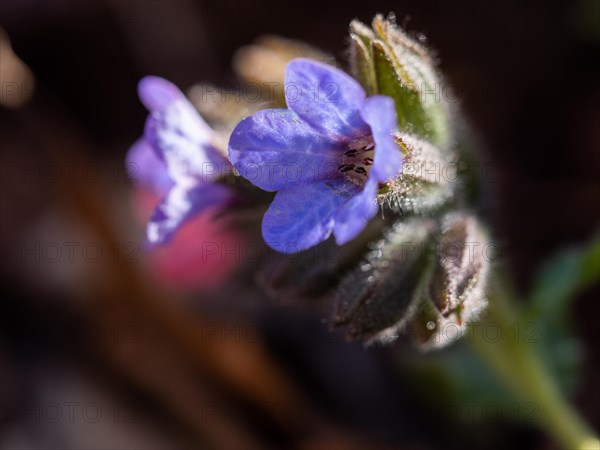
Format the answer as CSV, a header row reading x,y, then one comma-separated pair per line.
x,y
358,159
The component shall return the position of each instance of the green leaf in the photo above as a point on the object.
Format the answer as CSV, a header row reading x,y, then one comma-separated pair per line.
x,y
411,115
558,282
563,277
362,65
362,31
417,72
456,376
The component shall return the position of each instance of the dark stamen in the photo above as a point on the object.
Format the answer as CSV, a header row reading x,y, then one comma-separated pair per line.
x,y
346,167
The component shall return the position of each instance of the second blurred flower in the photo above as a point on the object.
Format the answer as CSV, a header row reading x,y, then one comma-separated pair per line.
x,y
178,157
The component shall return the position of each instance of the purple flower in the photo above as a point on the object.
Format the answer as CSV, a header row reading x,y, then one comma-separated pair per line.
x,y
176,158
145,167
325,156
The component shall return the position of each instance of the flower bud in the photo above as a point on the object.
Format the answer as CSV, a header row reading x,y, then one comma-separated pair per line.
x,y
262,64
455,293
388,61
423,279
426,182
224,108
377,295
260,68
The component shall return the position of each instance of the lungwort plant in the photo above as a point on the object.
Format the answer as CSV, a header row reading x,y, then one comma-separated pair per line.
x,y
357,177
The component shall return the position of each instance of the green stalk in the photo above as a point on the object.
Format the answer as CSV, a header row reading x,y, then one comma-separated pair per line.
x,y
523,372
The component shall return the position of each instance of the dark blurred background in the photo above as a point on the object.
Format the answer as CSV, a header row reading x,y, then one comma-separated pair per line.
x,y
101,352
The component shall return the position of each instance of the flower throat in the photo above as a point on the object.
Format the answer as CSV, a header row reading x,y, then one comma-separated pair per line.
x,y
358,159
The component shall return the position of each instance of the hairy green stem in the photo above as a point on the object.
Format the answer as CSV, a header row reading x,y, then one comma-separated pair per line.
x,y
520,368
